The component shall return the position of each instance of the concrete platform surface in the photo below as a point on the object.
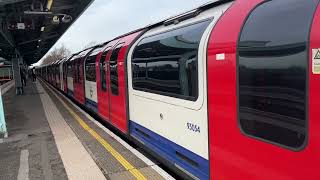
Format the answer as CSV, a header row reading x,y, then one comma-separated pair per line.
x,y
52,139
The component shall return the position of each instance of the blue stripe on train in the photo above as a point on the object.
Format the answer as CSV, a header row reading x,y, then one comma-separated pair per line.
x,y
176,154
91,105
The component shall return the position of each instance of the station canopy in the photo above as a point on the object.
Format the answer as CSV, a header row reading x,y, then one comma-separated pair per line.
x,y
29,28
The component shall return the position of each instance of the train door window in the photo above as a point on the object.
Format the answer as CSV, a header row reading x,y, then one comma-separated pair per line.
x,y
114,70
69,70
272,72
74,71
167,63
103,68
90,67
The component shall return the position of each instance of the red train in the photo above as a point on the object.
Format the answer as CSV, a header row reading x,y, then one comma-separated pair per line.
x,y
229,90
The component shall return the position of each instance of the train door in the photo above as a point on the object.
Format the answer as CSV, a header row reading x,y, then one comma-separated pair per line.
x,y
53,75
90,76
48,73
61,76
102,83
70,73
263,95
79,80
65,79
57,72
114,95
118,82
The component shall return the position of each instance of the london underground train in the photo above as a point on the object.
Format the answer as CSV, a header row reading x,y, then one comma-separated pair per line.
x,y
230,90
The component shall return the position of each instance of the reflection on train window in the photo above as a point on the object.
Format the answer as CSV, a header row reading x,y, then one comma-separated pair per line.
x,y
103,68
272,73
167,63
91,68
114,70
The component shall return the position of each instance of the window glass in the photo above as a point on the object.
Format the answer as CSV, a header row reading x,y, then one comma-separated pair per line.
x,y
103,68
91,68
114,70
167,63
69,70
272,71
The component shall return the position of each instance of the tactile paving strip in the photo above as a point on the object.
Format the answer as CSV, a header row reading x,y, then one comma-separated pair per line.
x,y
77,161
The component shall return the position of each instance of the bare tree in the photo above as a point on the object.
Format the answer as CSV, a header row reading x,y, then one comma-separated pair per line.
x,y
56,54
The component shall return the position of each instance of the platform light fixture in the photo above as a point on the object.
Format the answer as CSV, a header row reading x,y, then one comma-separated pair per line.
x,y
42,28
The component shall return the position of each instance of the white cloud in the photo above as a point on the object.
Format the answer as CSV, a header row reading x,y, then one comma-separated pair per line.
x,y
107,19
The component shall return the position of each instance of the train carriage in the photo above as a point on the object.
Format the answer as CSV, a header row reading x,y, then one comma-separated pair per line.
x,y
167,76
226,91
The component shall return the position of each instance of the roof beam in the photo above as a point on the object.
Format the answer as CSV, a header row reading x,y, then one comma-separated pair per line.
x,y
37,39
30,52
8,37
5,2
59,8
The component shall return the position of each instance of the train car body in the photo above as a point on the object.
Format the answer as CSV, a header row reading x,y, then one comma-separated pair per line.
x,y
261,94
229,90
167,86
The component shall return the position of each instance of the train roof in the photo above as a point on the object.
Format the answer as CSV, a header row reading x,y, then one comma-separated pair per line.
x,y
175,18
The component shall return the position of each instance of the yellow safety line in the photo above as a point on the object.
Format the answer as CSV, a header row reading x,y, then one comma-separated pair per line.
x,y
129,167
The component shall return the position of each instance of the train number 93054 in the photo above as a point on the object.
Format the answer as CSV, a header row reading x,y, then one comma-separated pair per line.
x,y
193,127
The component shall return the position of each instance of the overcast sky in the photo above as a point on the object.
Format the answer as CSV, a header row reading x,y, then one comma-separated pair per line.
x,y
106,19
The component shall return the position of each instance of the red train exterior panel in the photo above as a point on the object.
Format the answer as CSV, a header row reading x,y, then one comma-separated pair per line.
x,y
78,82
314,104
234,155
65,77
103,95
118,103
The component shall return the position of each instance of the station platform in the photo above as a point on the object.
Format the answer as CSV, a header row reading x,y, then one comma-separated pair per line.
x,y
50,138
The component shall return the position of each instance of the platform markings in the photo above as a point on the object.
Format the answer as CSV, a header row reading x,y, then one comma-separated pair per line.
x,y
77,162
23,173
47,172
128,166
146,160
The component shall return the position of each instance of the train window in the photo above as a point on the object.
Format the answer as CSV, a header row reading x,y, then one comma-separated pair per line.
x,y
114,70
167,63
69,70
272,72
91,68
103,69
